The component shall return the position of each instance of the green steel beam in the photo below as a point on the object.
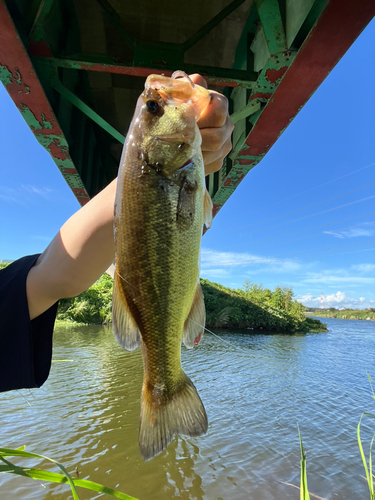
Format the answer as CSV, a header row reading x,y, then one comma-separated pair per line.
x,y
243,46
310,20
116,21
215,76
37,31
238,97
270,17
248,110
159,54
204,30
20,80
73,99
268,80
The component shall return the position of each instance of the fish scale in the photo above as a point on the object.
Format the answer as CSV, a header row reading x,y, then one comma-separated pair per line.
x,y
161,204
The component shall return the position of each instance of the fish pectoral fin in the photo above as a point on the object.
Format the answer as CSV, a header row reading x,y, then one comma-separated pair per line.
x,y
165,414
124,326
207,209
194,324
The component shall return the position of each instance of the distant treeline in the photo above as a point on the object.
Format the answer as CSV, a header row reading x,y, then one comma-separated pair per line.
x,y
332,312
252,307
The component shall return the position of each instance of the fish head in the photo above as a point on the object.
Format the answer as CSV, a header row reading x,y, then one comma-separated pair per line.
x,y
169,110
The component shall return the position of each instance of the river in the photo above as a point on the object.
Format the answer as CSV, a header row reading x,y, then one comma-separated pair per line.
x,y
257,388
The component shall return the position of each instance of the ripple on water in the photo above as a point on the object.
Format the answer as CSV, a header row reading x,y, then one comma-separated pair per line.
x,y
257,389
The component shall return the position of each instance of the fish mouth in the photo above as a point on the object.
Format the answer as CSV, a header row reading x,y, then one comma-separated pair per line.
x,y
180,89
186,165
180,138
158,167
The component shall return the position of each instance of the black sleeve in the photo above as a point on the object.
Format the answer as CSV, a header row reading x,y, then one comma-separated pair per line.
x,y
25,346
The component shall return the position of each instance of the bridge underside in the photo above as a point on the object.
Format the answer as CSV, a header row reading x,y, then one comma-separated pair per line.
x,y
75,68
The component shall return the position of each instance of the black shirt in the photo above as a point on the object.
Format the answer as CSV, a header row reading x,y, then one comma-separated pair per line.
x,y
25,346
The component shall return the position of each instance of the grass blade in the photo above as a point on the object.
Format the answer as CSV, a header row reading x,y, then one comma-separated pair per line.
x,y
20,453
369,476
370,469
41,475
304,492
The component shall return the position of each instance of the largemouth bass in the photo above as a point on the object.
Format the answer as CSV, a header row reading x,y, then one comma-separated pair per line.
x,y
160,208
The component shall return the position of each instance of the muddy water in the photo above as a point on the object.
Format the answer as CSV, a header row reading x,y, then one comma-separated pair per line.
x,y
256,389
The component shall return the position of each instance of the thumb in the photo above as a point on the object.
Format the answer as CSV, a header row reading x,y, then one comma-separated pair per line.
x,y
198,80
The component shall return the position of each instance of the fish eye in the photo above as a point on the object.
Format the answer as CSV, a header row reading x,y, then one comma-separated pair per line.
x,y
152,106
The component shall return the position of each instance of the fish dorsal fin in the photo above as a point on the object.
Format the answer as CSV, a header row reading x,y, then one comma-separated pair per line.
x,y
194,324
124,326
207,209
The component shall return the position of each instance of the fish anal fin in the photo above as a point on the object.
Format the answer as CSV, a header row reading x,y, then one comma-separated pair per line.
x,y
194,324
207,209
124,326
165,415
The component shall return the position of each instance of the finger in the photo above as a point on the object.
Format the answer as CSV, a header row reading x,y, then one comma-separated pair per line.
x,y
214,138
216,112
213,167
198,80
213,156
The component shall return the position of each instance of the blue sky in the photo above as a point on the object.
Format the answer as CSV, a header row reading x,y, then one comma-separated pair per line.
x,y
315,190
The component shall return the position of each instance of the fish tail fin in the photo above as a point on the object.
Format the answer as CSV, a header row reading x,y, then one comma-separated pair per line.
x,y
163,416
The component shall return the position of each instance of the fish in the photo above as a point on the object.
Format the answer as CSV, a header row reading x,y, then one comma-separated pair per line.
x,y
161,207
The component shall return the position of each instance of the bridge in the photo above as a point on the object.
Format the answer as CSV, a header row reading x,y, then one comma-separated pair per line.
x,y
74,69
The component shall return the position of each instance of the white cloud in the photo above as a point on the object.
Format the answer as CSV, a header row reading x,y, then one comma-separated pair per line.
x,y
338,300
326,278
8,198
8,194
214,273
7,190
44,191
218,260
365,268
215,258
354,232
17,195
277,267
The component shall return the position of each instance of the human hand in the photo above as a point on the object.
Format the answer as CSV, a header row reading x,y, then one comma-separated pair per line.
x,y
216,128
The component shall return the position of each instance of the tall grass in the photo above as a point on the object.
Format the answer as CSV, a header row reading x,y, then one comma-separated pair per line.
x,y
53,477
304,492
367,465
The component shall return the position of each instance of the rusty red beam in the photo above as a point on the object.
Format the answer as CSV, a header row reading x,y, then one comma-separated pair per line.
x,y
20,80
338,27
143,72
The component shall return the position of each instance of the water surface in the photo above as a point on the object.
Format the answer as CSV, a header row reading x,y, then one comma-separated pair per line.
x,y
256,388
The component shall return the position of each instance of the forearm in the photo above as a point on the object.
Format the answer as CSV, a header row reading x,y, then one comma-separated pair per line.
x,y
84,247
77,256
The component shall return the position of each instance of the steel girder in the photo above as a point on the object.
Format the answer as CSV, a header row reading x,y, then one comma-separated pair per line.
x,y
285,51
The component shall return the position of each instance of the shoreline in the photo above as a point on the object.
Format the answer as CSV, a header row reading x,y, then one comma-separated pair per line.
x,y
347,316
313,326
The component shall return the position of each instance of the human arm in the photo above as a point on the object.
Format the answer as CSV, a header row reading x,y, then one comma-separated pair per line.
x,y
80,252
84,248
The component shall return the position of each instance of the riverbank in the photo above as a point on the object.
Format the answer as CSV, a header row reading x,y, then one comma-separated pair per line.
x,y
254,388
361,314
251,308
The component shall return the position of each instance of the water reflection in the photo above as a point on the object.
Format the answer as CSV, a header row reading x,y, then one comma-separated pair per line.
x,y
256,390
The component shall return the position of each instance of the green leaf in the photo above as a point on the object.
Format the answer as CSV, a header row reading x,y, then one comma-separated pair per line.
x,y
19,453
304,492
54,477
367,471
